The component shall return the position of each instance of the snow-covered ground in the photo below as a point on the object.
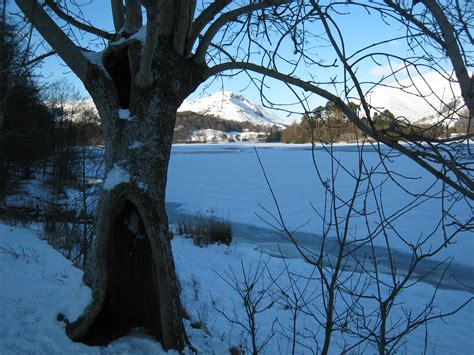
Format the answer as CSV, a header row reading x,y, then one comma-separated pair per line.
x,y
38,284
208,295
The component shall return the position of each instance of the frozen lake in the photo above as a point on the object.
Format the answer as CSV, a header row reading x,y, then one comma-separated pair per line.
x,y
226,180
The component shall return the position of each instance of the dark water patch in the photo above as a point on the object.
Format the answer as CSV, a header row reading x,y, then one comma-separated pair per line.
x,y
458,277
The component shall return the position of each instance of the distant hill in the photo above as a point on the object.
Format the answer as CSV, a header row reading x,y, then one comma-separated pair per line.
x,y
223,117
433,92
195,127
233,107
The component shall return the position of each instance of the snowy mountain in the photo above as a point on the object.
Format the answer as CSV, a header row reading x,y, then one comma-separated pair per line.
x,y
404,98
231,106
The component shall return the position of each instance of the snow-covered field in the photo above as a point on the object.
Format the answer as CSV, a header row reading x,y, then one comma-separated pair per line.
x,y
37,283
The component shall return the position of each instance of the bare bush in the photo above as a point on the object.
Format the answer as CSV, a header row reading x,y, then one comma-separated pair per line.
x,y
255,294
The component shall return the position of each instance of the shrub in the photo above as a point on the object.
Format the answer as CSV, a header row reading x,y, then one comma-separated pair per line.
x,y
206,230
64,232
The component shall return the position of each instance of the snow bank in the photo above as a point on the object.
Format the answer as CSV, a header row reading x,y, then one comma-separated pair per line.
x,y
38,283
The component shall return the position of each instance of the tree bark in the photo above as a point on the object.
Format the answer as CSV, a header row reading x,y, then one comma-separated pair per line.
x,y
131,269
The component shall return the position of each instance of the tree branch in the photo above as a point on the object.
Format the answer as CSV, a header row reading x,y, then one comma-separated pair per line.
x,y
183,24
454,53
133,16
118,14
204,18
144,75
39,58
228,17
448,42
412,19
55,37
348,111
80,25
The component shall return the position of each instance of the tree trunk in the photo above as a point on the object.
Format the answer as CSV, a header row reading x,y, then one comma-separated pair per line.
x,y
130,268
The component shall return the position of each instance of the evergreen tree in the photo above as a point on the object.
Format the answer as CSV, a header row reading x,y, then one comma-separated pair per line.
x,y
24,119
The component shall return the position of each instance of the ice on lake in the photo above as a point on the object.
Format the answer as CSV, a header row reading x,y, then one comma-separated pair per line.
x,y
227,180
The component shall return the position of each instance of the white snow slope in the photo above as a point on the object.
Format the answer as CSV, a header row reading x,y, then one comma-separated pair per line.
x,y
404,98
231,106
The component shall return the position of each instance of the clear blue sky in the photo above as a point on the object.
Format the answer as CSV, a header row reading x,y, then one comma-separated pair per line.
x,y
359,29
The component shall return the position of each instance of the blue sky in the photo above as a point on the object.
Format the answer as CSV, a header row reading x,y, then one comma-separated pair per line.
x,y
358,29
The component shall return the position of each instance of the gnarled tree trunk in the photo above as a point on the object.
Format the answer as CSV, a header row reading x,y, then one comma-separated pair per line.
x,y
131,269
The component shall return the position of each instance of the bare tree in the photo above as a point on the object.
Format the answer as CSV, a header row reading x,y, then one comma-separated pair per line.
x,y
64,103
88,166
360,273
143,73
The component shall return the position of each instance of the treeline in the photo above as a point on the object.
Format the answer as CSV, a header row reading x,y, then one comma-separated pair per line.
x,y
328,124
25,121
39,125
46,133
188,122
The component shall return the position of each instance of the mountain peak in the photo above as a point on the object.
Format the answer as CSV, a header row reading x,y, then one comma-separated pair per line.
x,y
229,105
